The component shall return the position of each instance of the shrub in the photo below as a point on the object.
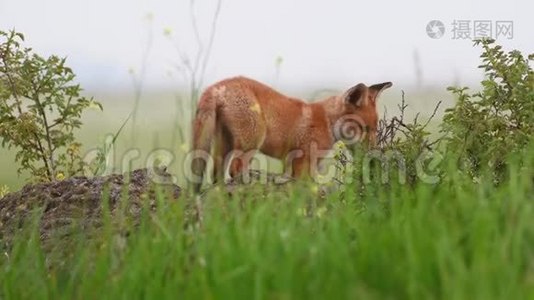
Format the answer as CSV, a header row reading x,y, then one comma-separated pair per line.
x,y
40,107
405,153
485,127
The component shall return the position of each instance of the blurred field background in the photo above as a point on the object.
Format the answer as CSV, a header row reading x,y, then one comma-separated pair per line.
x,y
159,122
129,51
469,236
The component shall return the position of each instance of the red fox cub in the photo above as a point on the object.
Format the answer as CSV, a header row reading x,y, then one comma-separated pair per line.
x,y
240,116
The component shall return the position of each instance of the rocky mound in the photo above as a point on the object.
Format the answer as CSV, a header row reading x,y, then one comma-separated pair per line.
x,y
79,200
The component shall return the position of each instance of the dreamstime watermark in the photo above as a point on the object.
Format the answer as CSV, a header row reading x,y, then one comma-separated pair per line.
x,y
323,168
322,164
109,161
471,29
350,129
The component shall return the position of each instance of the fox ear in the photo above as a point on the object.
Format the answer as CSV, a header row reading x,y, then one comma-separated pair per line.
x,y
356,94
376,89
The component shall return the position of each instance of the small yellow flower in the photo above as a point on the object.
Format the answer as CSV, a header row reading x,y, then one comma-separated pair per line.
x,y
167,31
4,190
184,147
60,176
278,61
320,212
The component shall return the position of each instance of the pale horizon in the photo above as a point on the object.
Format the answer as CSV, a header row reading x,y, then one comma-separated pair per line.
x,y
321,44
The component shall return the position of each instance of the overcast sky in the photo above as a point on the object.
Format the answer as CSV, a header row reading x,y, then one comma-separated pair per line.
x,y
322,43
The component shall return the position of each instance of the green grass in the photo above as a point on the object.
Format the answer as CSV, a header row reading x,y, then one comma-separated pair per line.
x,y
458,239
454,240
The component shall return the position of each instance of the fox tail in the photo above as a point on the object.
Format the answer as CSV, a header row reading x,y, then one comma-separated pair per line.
x,y
203,134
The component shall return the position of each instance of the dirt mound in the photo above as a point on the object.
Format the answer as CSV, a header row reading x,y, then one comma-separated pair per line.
x,y
79,200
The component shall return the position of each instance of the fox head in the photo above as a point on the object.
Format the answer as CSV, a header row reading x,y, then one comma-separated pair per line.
x,y
360,116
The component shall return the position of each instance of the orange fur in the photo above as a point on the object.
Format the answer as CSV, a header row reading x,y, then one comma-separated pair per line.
x,y
243,115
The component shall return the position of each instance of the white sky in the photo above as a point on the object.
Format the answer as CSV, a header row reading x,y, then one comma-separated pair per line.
x,y
331,43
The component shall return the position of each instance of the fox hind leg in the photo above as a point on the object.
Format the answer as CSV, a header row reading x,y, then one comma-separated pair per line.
x,y
222,149
244,147
240,164
246,130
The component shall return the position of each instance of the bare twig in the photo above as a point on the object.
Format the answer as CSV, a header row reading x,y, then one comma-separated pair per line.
x,y
433,114
138,81
193,66
388,130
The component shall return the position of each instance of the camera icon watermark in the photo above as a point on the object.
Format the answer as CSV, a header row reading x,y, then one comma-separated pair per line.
x,y
435,29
